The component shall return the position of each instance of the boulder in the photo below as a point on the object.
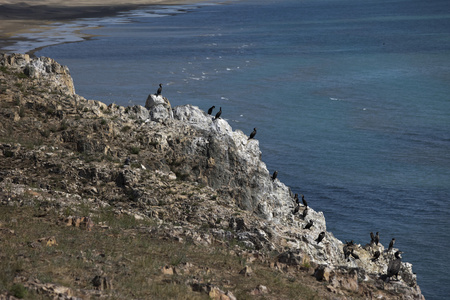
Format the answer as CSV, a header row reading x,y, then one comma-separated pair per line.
x,y
159,108
322,273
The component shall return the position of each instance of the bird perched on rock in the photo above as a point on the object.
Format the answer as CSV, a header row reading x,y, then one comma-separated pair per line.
x,y
376,255
296,199
309,225
356,256
211,109
296,209
320,237
347,252
372,239
305,212
252,135
391,244
394,265
274,175
377,238
218,114
348,248
158,92
304,201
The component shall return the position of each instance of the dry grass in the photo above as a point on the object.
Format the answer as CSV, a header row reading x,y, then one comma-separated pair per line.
x,y
130,255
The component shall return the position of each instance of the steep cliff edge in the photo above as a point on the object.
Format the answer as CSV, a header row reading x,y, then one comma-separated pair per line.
x,y
196,178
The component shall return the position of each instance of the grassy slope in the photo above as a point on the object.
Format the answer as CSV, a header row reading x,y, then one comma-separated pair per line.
x,y
132,255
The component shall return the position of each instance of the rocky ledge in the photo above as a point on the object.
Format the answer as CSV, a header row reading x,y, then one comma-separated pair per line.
x,y
198,181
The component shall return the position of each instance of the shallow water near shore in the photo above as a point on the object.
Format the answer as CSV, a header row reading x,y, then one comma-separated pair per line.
x,y
350,100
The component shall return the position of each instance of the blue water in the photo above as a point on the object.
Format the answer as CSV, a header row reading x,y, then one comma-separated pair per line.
x,y
351,100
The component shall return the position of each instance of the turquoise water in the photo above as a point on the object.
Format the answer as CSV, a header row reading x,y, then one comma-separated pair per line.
x,y
350,98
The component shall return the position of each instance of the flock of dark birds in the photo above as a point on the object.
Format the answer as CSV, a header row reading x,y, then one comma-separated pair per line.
x,y
274,176
394,265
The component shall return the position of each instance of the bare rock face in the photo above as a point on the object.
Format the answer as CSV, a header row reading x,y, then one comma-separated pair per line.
x,y
159,108
226,154
227,161
41,68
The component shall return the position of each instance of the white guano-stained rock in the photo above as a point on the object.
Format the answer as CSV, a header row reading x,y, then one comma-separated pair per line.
x,y
159,108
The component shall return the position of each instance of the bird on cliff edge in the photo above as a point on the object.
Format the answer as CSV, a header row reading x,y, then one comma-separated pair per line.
x,y
376,255
158,92
356,256
211,109
218,114
377,238
252,135
296,209
320,237
391,244
304,201
309,225
274,175
305,212
347,249
394,265
296,198
347,252
372,239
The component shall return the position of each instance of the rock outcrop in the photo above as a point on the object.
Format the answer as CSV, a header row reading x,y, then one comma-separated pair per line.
x,y
69,149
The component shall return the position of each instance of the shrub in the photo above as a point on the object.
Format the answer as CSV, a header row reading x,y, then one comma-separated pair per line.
x,y
125,128
19,291
135,150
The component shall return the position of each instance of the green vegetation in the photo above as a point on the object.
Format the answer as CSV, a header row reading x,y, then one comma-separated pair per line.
x,y
125,128
5,70
19,291
21,75
135,150
63,126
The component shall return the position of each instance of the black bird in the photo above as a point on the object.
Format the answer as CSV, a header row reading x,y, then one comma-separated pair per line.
x,y
304,201
252,135
127,161
376,255
349,244
297,208
218,114
158,92
305,212
347,252
391,244
308,226
320,237
372,239
377,238
274,175
394,266
296,199
356,256
211,109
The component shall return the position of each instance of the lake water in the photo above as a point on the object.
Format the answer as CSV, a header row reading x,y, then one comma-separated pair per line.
x,y
351,100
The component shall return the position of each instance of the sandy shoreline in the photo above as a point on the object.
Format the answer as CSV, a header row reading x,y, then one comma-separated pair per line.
x,y
20,21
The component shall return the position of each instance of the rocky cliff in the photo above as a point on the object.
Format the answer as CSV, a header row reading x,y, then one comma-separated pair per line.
x,y
196,177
